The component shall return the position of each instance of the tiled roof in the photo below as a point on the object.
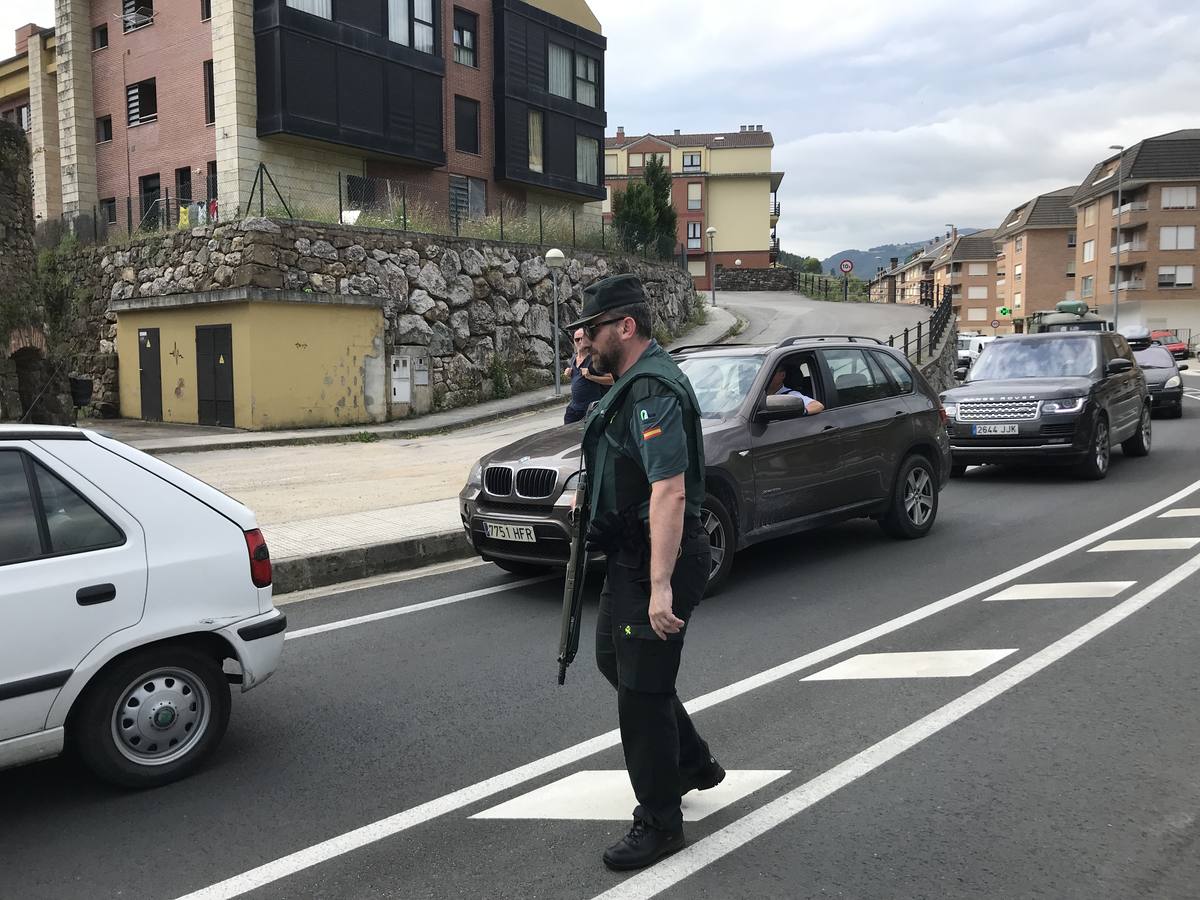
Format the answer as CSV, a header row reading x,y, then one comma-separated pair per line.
x,y
728,139
1161,158
1051,210
977,246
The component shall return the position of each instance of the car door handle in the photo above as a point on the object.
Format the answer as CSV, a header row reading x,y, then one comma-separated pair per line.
x,y
97,593
829,428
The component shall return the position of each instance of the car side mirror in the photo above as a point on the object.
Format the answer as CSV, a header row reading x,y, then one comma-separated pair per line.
x,y
1119,365
1182,367
960,373
781,406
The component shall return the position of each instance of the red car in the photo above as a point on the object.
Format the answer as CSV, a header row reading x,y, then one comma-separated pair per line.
x,y
1171,341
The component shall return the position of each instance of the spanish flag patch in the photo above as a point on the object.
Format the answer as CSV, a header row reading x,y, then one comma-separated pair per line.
x,y
651,433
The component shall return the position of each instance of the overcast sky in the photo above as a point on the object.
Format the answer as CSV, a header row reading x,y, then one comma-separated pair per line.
x,y
892,119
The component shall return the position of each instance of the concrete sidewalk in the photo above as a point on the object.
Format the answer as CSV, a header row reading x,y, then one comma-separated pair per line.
x,y
338,513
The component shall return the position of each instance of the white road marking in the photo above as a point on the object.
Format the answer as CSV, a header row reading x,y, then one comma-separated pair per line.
x,y
921,664
1062,590
415,607
349,841
606,796
1181,513
1186,543
362,584
671,871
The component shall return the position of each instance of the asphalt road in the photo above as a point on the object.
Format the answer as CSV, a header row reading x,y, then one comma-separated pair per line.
x,y
1059,762
771,317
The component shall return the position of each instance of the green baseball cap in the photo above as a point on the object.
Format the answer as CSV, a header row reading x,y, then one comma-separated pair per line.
x,y
616,292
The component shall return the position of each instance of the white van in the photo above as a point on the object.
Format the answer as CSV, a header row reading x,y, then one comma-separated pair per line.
x,y
125,587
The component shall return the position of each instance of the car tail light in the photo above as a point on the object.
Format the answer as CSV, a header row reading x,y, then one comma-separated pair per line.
x,y
260,559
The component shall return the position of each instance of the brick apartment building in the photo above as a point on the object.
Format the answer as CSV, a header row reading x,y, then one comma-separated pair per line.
x,y
1154,227
472,103
720,180
910,281
966,264
1035,254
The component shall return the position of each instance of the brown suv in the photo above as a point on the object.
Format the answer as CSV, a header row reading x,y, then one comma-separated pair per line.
x,y
878,449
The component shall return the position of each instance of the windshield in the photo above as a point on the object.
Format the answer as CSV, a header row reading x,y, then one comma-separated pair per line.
x,y
721,383
1154,358
1056,357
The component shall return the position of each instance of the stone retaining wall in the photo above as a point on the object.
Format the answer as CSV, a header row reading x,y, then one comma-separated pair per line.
x,y
485,309
740,279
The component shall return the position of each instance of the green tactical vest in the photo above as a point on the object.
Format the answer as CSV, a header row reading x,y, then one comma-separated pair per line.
x,y
615,480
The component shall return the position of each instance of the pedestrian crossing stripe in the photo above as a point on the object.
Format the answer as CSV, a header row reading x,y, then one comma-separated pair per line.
x,y
1066,590
921,664
606,796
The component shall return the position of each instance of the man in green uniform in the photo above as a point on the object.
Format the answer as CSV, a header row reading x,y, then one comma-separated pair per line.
x,y
645,459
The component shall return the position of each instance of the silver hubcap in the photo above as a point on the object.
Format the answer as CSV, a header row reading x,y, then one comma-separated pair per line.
x,y
1146,428
918,496
1102,448
160,716
716,540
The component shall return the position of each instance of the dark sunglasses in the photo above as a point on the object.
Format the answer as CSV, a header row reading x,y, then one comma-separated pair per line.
x,y
590,330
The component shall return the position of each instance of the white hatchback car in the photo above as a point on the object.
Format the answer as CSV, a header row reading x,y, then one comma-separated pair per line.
x,y
125,586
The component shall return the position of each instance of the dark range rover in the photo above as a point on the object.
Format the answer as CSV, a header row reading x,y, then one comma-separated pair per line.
x,y
879,449
1060,397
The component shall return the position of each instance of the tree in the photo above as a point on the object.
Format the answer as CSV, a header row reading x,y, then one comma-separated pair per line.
x,y
643,215
808,265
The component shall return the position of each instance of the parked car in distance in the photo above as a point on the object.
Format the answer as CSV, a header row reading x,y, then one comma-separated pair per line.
x,y
128,585
879,449
1053,397
1169,339
970,346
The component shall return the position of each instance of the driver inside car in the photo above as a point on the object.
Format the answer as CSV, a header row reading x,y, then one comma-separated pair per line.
x,y
778,386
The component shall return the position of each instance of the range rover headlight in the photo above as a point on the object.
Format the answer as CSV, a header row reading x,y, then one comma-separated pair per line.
x,y
1173,382
1065,405
951,409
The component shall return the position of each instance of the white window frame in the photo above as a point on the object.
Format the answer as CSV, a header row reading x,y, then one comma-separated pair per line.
x,y
696,202
1087,286
977,292
610,164
1089,215
1178,278
636,160
695,242
560,71
1089,251
321,8
1017,300
977,314
977,269
1018,272
1186,197
1177,237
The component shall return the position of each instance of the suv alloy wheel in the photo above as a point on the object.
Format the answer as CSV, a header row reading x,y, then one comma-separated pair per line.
x,y
1095,464
914,501
1139,444
721,541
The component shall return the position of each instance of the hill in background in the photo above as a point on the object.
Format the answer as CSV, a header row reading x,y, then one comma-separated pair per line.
x,y
865,261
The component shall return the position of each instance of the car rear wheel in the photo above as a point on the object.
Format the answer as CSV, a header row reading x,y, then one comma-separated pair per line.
x,y
152,718
914,502
721,541
1095,465
521,568
1139,444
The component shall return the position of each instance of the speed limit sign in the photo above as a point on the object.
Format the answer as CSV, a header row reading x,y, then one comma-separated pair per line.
x,y
846,266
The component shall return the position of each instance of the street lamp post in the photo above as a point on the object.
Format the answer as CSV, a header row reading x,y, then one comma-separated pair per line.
x,y
555,261
1117,270
712,266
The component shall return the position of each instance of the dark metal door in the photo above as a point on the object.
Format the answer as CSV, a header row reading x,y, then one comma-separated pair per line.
x,y
150,374
214,374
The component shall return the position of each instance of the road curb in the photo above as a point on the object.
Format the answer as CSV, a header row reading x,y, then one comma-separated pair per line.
x,y
355,436
352,563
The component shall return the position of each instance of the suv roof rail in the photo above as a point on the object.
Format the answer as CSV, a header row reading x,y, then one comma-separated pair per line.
x,y
852,338
704,347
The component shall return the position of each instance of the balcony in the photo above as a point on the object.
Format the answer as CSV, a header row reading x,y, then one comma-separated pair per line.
x,y
1131,206
773,249
775,208
1130,247
1133,284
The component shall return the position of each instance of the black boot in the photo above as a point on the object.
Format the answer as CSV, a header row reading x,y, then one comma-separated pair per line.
x,y
643,846
708,776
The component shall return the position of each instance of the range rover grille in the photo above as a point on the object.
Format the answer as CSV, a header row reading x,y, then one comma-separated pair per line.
x,y
998,410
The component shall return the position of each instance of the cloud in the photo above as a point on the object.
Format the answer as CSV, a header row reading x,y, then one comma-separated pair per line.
x,y
891,120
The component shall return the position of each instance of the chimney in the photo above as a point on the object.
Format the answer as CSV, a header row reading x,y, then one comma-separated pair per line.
x,y
758,128
23,34
676,131
954,233
743,129
620,132
895,261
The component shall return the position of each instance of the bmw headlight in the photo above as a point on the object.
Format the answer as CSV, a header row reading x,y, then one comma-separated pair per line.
x,y
1065,405
1173,382
476,479
572,484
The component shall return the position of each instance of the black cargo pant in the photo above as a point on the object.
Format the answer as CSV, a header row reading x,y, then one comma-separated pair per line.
x,y
657,735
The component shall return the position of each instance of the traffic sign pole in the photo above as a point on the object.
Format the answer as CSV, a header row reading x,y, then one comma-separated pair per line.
x,y
847,266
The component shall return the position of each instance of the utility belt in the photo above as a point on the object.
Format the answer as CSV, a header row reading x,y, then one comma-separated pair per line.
x,y
626,534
